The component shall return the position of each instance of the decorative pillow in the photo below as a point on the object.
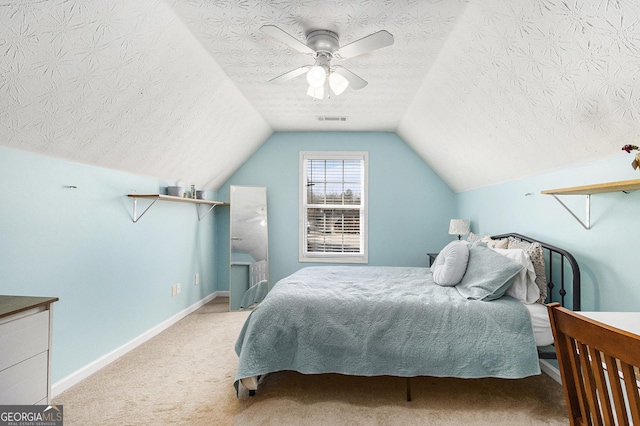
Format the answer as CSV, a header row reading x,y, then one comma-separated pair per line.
x,y
488,273
502,243
523,286
472,238
534,250
499,244
449,266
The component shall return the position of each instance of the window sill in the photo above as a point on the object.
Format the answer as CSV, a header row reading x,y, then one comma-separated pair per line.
x,y
325,259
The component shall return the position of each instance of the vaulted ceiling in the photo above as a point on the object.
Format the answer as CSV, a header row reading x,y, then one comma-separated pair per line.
x,y
485,91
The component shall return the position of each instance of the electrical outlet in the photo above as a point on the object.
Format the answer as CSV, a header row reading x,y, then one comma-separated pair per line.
x,y
178,288
197,279
173,290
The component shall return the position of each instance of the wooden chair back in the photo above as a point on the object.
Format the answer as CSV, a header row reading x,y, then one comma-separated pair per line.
x,y
598,365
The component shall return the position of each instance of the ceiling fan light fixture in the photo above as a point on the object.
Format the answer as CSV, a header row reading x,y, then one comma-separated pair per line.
x,y
338,83
324,46
316,76
316,92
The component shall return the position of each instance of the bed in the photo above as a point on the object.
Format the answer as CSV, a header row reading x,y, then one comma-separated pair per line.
x,y
409,321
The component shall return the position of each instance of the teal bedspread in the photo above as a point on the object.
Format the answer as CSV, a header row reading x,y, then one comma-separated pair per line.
x,y
254,295
369,321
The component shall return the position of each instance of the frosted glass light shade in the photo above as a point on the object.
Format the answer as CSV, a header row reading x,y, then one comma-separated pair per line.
x,y
338,83
317,76
316,92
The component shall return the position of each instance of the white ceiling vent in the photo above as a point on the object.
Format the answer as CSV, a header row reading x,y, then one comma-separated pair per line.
x,y
329,118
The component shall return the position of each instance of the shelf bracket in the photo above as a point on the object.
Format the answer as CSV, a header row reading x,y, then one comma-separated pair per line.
x,y
207,212
587,223
136,218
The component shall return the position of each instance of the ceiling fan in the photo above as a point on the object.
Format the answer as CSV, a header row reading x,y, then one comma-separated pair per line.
x,y
324,46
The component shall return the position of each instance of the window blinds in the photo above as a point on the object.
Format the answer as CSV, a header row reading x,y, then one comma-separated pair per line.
x,y
333,206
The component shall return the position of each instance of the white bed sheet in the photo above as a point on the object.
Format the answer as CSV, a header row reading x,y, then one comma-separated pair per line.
x,y
540,323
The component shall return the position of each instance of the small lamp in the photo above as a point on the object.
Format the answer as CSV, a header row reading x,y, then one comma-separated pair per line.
x,y
459,227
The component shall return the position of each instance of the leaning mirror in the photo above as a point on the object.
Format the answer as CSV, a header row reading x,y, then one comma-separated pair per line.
x,y
249,269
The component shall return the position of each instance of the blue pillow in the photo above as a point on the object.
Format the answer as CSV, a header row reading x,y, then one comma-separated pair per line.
x,y
488,274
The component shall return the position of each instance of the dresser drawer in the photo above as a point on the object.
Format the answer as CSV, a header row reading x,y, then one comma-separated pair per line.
x,y
23,338
25,383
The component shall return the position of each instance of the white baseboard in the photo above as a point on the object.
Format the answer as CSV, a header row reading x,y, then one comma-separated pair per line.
x,y
77,376
550,370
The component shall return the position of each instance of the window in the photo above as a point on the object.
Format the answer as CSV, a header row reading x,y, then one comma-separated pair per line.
x,y
333,207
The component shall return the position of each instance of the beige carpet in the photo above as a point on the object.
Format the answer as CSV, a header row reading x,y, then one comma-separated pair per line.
x,y
184,376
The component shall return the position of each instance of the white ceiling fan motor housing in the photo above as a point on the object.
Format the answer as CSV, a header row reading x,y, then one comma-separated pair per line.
x,y
323,41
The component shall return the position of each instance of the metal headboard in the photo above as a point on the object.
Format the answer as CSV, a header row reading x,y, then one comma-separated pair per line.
x,y
564,258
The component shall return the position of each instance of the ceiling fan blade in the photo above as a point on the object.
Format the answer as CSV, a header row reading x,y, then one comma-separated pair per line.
x,y
290,75
366,44
287,39
355,82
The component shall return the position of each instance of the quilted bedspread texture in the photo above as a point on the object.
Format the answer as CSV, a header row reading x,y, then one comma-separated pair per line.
x,y
368,321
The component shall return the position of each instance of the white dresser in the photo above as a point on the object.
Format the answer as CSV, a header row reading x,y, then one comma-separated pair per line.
x,y
25,349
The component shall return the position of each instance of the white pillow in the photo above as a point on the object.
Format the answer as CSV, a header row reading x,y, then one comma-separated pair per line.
x,y
495,244
536,252
523,287
451,263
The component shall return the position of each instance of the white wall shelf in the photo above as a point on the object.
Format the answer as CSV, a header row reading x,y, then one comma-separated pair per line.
x,y
156,197
587,190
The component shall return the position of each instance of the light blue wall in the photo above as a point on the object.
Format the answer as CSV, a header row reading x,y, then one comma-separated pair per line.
x,y
409,205
113,277
608,253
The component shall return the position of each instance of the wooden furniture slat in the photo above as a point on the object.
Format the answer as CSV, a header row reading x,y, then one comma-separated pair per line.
x,y
589,385
627,185
631,386
572,376
601,385
616,389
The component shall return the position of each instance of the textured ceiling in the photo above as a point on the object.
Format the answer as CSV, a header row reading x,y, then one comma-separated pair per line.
x,y
230,32
527,86
484,91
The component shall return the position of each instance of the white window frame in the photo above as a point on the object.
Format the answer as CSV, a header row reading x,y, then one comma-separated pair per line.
x,y
304,255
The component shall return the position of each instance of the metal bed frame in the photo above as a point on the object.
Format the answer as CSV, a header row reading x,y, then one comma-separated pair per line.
x,y
561,257
564,257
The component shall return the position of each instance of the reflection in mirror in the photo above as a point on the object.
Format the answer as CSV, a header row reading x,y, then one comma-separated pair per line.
x,y
249,273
